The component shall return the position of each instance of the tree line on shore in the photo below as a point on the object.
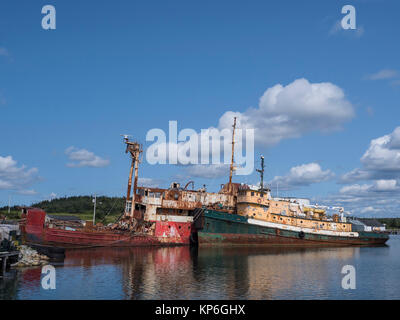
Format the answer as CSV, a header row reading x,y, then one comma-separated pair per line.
x,y
77,205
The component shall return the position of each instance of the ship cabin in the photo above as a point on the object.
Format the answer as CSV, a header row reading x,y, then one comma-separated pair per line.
x,y
254,203
151,203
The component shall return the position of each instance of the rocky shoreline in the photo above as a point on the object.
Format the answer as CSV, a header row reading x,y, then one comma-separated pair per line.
x,y
29,257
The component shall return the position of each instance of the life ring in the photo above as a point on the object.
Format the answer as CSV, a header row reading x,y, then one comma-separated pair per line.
x,y
259,201
301,235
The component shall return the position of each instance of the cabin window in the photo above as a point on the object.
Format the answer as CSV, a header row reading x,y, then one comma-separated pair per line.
x,y
262,195
252,194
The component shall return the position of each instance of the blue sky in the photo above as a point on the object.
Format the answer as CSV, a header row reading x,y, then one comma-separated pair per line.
x,y
116,67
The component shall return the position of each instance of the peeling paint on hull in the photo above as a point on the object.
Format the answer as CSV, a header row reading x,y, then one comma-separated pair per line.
x,y
221,228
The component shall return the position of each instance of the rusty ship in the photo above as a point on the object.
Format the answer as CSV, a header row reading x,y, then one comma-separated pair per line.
x,y
152,217
239,214
254,216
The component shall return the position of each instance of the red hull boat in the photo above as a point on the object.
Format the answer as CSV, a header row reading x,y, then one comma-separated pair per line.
x,y
37,230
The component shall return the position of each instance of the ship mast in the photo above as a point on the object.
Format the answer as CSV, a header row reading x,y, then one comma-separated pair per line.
x,y
135,150
261,171
233,153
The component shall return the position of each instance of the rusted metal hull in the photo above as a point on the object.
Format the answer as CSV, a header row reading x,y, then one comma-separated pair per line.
x,y
166,233
219,228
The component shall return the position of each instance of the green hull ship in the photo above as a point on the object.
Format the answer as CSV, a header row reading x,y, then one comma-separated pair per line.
x,y
222,228
250,215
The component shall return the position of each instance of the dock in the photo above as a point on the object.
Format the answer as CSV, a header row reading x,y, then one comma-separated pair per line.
x,y
5,259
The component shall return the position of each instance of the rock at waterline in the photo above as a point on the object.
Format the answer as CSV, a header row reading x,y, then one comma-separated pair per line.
x,y
30,257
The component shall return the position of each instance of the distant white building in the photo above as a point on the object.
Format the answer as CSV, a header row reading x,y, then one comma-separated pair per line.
x,y
372,225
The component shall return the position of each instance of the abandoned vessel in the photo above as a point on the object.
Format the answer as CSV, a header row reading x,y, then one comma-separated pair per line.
x,y
152,216
259,218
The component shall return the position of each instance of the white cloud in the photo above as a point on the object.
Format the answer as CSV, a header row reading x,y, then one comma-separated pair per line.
x,y
16,178
367,190
284,112
369,209
209,171
383,74
338,29
27,192
3,100
84,158
383,153
355,189
294,110
337,26
380,161
382,195
385,185
381,172
149,182
4,52
303,175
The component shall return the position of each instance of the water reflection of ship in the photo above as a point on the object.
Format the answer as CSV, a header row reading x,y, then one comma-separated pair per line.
x,y
9,286
216,272
146,271
265,273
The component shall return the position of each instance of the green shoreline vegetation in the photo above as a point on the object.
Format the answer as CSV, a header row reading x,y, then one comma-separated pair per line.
x,y
108,209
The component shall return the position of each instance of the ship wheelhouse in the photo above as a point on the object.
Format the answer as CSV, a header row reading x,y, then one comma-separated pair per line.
x,y
254,203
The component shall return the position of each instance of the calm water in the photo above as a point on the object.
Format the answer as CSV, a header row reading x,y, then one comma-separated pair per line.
x,y
214,273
